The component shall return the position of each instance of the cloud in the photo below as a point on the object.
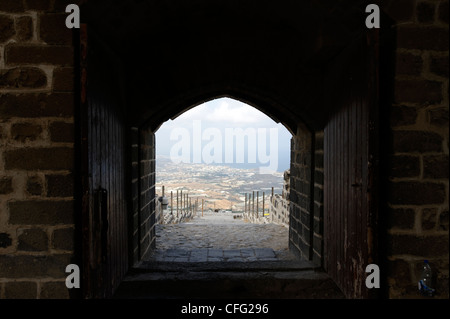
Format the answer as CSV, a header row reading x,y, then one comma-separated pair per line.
x,y
224,110
234,112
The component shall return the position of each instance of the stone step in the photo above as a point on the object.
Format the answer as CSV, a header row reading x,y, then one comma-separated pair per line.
x,y
225,280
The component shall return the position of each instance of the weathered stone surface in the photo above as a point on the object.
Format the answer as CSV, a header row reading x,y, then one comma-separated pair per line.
x,y
404,166
6,185
62,132
5,240
20,290
24,132
425,12
439,65
430,246
416,193
32,105
435,166
40,212
39,54
422,38
63,239
63,80
423,92
53,30
56,158
416,141
26,266
6,28
60,185
33,239
401,218
22,78
403,115
34,185
429,218
11,6
408,64
439,116
54,290
24,28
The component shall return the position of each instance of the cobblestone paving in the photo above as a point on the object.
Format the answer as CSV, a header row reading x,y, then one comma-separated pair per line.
x,y
218,237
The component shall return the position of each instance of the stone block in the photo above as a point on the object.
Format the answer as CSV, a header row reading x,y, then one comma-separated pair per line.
x,y
33,239
438,116
422,92
20,290
400,10
408,64
33,105
53,29
402,115
429,218
416,193
7,30
40,5
60,185
63,80
39,212
425,12
11,6
39,54
34,185
422,38
24,28
443,220
27,266
5,240
404,166
416,141
439,65
430,246
63,239
56,158
62,132
435,166
6,185
23,132
443,11
23,77
54,290
401,218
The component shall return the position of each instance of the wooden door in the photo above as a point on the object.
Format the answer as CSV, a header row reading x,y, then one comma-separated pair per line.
x,y
350,171
104,207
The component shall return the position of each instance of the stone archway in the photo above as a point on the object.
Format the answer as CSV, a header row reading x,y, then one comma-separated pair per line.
x,y
272,62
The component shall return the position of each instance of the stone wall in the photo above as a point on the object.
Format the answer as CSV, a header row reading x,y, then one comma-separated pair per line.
x,y
301,193
36,150
279,204
317,240
147,194
37,189
416,146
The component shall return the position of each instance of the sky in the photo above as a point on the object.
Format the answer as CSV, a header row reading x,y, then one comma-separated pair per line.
x,y
227,132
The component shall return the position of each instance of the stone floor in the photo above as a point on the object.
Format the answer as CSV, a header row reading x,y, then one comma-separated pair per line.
x,y
219,237
217,256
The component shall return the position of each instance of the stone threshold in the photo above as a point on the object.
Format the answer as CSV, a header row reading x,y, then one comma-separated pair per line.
x,y
218,280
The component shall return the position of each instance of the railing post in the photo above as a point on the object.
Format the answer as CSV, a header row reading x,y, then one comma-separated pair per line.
x,y
253,204
257,204
263,206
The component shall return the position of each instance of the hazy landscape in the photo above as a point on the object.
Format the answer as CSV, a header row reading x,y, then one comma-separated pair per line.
x,y
221,187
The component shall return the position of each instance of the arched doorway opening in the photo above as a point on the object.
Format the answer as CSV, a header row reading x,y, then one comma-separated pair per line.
x,y
314,82
212,163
